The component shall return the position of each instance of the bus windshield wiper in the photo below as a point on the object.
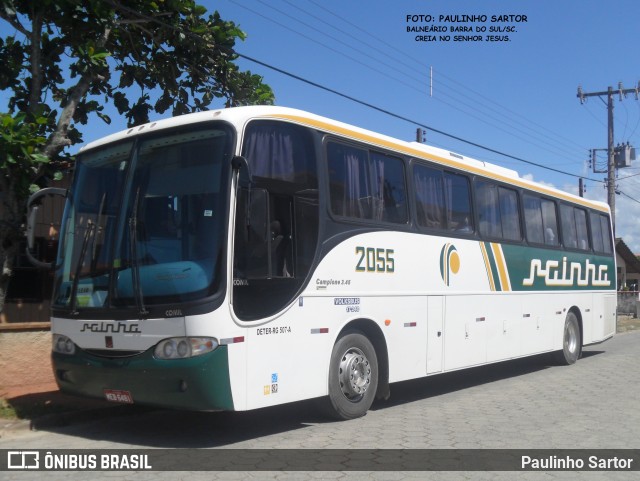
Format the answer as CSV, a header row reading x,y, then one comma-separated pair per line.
x,y
133,253
88,234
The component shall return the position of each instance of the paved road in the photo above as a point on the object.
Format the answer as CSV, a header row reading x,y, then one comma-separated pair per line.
x,y
528,404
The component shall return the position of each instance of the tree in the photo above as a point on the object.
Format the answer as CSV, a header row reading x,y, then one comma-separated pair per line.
x,y
66,59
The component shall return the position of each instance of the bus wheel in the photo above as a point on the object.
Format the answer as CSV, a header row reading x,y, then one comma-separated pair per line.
x,y
571,346
353,376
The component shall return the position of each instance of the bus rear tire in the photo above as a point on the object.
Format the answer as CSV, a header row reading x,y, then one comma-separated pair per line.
x,y
571,341
353,377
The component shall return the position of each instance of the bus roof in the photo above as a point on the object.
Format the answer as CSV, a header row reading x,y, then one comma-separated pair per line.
x,y
239,116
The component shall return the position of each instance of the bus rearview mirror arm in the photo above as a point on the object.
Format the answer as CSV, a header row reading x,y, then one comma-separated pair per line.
x,y
32,212
241,166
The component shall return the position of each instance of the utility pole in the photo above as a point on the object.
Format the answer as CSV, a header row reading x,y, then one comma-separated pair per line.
x,y
611,166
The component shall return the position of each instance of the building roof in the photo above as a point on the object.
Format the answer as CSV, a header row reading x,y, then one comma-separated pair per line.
x,y
631,261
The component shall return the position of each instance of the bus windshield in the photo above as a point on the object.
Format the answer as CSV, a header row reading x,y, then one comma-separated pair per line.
x,y
144,222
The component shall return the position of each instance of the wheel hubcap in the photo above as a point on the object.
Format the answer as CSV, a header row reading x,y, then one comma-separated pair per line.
x,y
354,374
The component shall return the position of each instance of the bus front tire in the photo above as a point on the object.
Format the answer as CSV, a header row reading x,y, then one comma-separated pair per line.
x,y
571,341
353,377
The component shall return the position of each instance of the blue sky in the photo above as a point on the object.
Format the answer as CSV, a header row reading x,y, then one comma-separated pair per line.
x,y
517,97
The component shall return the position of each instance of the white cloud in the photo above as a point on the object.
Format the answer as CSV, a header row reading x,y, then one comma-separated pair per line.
x,y
541,182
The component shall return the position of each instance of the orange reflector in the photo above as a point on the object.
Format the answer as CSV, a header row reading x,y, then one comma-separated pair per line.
x,y
387,322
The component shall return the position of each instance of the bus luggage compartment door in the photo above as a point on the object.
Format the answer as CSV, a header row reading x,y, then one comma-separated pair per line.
x,y
435,333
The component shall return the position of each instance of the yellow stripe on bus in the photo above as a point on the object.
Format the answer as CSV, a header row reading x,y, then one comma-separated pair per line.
x,y
503,273
488,266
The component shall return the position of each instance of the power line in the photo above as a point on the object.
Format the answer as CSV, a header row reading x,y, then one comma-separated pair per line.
x,y
628,197
353,26
339,52
540,137
406,119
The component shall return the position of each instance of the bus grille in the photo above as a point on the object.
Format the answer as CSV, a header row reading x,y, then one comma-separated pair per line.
x,y
111,353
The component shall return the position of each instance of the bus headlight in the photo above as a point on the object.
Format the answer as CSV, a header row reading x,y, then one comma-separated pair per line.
x,y
63,344
184,347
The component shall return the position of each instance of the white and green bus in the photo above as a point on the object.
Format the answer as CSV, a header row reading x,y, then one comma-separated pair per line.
x,y
248,257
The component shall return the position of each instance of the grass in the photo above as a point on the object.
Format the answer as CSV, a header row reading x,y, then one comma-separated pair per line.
x,y
7,411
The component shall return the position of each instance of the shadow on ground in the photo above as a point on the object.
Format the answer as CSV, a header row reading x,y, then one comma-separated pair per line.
x,y
161,428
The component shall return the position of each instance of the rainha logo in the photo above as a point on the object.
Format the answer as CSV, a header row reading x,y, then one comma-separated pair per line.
x,y
115,328
568,274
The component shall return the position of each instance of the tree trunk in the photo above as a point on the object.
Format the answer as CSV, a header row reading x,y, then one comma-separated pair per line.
x,y
8,251
11,217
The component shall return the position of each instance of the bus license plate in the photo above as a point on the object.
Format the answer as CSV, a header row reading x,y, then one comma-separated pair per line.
x,y
117,396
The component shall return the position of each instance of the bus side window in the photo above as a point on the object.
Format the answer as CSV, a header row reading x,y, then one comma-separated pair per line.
x,y
596,232
582,233
568,226
350,190
600,233
606,234
550,222
427,184
458,200
536,233
540,220
388,188
490,223
509,213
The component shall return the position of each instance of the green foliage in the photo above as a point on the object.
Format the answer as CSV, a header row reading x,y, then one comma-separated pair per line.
x,y
64,60
20,156
72,57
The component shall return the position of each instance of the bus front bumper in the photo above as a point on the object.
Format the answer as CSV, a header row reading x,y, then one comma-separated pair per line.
x,y
198,383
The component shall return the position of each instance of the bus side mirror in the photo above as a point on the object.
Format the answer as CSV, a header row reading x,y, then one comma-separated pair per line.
x,y
32,214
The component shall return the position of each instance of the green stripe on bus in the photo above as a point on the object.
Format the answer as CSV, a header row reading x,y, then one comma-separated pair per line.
x,y
532,268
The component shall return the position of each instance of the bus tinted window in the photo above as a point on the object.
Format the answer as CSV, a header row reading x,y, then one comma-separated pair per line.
x,y
568,222
533,219
488,210
540,220
280,151
600,233
458,200
429,197
350,195
366,186
443,199
581,229
574,227
596,232
389,192
549,222
606,234
509,214
498,211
